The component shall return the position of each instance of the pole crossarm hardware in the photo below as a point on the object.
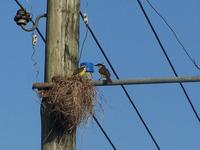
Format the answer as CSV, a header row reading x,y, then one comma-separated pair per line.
x,y
41,86
23,17
149,81
19,4
35,24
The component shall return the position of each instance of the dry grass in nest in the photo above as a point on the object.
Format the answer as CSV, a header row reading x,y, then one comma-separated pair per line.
x,y
71,101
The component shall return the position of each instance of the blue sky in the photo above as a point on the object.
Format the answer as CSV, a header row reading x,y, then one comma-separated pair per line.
x,y
134,52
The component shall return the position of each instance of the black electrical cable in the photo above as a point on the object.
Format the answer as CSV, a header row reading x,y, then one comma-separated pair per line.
x,y
123,87
20,5
175,35
104,132
97,122
168,59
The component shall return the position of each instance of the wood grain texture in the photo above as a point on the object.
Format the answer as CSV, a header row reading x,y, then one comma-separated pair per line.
x,y
60,59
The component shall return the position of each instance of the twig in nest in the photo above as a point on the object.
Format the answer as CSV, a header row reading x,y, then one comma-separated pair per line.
x,y
71,101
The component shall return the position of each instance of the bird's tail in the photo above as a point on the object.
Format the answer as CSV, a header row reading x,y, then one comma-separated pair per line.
x,y
108,79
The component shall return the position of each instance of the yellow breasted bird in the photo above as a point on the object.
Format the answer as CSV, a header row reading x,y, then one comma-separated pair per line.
x,y
104,72
80,71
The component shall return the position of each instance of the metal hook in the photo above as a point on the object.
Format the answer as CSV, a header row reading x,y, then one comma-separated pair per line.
x,y
35,24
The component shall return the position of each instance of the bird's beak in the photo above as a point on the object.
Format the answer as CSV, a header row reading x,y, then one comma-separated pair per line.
x,y
96,65
83,66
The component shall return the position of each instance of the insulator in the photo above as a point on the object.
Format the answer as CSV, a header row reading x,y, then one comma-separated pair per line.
x,y
34,39
22,17
85,18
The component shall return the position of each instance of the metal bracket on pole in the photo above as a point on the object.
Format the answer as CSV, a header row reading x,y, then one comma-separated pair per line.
x,y
35,24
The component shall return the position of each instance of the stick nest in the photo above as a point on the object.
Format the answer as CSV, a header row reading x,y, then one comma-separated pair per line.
x,y
70,101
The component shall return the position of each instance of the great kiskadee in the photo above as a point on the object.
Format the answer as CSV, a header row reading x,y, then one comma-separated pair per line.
x,y
105,74
80,71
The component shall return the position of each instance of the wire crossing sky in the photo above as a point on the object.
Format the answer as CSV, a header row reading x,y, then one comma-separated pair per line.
x,y
175,35
122,86
169,61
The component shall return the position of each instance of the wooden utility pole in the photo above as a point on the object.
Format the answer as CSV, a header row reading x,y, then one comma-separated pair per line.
x,y
60,59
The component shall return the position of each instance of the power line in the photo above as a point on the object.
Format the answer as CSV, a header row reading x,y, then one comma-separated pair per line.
x,y
99,125
20,5
123,87
175,35
103,131
34,63
168,59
